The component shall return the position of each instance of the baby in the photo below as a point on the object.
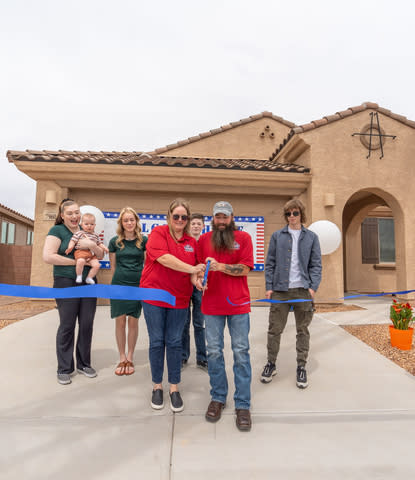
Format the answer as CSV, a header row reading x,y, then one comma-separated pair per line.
x,y
83,257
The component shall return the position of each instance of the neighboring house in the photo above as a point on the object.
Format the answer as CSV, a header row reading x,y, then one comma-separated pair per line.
x,y
16,239
354,168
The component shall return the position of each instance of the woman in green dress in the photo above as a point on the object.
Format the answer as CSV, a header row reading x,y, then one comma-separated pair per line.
x,y
127,254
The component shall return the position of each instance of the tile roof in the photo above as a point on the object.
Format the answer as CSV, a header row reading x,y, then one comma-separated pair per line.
x,y
339,116
14,213
77,156
146,159
229,126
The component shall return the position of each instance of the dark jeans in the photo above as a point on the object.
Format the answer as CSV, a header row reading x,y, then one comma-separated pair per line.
x,y
165,330
278,314
198,327
70,310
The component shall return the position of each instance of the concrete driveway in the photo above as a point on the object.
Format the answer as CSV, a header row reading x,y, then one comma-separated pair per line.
x,y
356,420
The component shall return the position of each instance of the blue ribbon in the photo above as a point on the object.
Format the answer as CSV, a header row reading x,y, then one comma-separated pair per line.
x,y
299,300
115,292
206,273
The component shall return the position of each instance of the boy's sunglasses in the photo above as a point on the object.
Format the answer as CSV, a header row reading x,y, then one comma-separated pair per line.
x,y
178,217
295,213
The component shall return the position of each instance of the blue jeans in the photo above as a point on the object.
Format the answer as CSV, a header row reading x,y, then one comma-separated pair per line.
x,y
198,327
238,326
165,329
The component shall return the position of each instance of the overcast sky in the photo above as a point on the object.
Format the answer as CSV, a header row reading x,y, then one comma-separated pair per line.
x,y
137,75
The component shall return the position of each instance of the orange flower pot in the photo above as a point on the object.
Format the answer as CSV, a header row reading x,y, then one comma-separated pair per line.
x,y
401,339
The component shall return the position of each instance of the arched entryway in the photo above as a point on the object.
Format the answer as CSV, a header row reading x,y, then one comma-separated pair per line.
x,y
373,243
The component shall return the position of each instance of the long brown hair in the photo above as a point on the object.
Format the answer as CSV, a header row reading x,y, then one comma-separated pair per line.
x,y
121,232
299,205
178,202
66,202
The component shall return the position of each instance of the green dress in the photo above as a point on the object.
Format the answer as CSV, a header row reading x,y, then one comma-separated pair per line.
x,y
128,269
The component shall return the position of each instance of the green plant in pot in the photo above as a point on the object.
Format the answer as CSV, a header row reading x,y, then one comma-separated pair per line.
x,y
401,315
401,332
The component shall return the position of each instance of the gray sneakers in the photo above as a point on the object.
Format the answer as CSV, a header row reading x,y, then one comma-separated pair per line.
x,y
64,378
87,371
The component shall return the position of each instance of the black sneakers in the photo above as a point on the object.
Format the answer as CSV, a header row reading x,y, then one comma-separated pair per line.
x,y
157,399
268,372
301,377
203,364
176,402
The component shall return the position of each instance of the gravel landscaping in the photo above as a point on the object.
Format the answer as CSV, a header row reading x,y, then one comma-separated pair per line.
x,y
377,337
12,310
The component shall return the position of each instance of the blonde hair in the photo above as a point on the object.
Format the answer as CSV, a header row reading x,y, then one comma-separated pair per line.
x,y
88,215
120,229
299,205
178,202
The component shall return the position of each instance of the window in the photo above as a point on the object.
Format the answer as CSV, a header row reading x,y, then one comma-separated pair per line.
x,y
7,232
29,240
378,240
3,232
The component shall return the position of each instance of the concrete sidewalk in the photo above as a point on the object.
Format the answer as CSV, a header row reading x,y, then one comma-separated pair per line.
x,y
356,420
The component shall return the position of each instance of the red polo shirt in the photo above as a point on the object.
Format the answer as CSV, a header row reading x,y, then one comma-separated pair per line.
x,y
221,285
155,275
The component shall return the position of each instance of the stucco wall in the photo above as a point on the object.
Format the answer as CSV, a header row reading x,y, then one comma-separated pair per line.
x,y
244,141
45,215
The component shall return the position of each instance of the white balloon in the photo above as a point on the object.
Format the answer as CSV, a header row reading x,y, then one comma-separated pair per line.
x,y
99,218
328,234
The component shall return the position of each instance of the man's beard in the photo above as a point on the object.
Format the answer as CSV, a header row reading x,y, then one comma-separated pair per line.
x,y
223,239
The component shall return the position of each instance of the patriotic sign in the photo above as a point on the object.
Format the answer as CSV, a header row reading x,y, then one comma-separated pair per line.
x,y
252,225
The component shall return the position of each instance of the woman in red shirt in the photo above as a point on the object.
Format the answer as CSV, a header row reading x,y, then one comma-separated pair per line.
x,y
170,265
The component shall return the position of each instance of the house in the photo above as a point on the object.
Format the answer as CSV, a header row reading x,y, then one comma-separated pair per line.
x,y
354,168
16,238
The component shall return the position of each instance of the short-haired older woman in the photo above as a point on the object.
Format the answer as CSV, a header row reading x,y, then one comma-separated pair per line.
x,y
127,254
71,309
170,265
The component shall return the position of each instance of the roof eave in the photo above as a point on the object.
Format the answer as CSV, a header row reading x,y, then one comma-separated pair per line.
x,y
145,178
291,149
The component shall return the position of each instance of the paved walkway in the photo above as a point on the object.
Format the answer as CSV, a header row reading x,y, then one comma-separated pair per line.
x,y
355,421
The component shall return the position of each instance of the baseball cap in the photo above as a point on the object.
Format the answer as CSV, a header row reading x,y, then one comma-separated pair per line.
x,y
223,207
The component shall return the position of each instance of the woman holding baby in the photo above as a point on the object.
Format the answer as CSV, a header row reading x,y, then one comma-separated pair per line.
x,y
71,310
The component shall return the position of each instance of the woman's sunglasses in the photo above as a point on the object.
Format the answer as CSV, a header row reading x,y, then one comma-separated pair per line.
x,y
178,217
295,213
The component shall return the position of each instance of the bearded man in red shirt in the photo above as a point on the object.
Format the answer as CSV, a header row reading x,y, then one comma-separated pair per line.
x,y
230,253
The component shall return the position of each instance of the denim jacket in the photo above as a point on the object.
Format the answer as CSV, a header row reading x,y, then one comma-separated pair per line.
x,y
277,265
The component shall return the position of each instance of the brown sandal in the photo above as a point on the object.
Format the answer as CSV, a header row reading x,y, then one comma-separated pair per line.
x,y
122,366
129,365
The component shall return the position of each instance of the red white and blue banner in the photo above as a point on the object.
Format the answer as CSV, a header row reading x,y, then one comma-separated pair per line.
x,y
252,225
